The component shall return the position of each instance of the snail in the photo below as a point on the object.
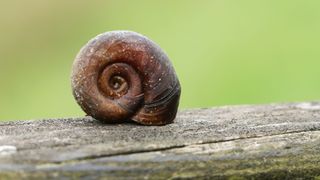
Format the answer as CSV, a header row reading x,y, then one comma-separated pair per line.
x,y
122,75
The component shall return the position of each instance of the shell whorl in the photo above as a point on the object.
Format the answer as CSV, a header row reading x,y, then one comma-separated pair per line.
x,y
122,75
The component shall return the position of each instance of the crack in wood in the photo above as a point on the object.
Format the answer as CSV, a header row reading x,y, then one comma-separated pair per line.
x,y
252,141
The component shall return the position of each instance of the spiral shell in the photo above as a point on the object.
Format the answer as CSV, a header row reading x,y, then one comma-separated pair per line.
x,y
122,75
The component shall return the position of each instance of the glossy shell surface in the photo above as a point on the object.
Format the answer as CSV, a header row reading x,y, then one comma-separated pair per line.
x,y
122,75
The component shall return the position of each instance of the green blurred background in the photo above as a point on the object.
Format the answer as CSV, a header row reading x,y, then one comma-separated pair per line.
x,y
224,51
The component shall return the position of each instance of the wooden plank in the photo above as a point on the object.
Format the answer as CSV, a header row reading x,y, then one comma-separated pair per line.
x,y
252,141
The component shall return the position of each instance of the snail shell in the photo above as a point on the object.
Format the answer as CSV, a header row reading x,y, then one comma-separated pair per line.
x,y
123,75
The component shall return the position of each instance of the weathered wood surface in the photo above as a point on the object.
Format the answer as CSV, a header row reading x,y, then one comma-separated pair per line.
x,y
279,141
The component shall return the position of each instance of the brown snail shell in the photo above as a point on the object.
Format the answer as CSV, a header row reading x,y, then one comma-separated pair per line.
x,y
121,75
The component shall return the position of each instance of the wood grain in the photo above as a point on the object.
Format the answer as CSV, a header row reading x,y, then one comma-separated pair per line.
x,y
278,141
